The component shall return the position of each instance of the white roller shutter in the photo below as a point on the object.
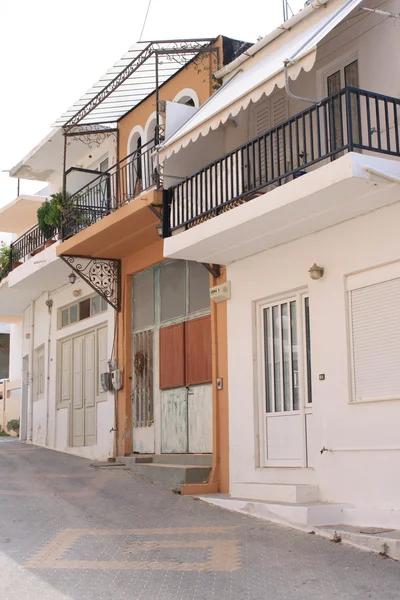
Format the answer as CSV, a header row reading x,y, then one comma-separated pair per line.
x,y
375,326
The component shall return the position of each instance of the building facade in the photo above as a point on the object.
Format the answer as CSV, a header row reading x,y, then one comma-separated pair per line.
x,y
131,322
298,200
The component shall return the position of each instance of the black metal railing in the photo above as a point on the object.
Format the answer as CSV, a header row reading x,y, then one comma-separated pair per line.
x,y
110,190
349,120
30,242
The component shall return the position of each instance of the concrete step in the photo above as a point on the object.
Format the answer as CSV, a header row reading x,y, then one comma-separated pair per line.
x,y
173,476
199,460
303,515
384,541
277,492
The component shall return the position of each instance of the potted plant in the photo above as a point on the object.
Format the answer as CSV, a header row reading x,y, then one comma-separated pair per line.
x,y
5,259
43,224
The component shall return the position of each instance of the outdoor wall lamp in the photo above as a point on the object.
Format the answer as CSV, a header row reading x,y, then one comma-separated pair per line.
x,y
316,272
159,229
72,277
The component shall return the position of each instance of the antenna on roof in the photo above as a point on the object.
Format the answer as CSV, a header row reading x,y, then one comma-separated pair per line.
x,y
286,8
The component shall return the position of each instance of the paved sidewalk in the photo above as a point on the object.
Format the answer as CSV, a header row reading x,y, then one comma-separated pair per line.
x,y
71,532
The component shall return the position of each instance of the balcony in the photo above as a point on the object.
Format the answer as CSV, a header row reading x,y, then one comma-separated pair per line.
x,y
102,220
110,190
302,156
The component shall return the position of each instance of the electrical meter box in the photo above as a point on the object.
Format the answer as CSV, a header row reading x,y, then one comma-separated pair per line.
x,y
221,292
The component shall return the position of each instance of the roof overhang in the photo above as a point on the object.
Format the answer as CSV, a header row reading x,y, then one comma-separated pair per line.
x,y
263,70
20,214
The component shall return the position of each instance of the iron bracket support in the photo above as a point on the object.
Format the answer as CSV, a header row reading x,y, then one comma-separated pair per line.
x,y
102,274
215,270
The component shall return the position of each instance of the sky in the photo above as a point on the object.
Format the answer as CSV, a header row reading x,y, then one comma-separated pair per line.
x,y
52,51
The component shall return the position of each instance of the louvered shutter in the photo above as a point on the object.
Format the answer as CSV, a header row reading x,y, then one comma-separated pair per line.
x,y
375,324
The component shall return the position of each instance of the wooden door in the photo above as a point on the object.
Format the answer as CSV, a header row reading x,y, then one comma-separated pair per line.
x,y
78,416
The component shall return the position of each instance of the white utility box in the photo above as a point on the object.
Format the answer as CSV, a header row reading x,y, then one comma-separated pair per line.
x,y
221,292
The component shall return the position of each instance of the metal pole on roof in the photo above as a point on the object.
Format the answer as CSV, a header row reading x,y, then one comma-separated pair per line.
x,y
64,187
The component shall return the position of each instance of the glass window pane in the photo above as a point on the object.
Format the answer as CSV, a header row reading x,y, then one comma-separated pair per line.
x,y
84,309
64,317
172,290
351,74
276,322
308,348
199,287
295,356
286,354
95,305
143,300
73,313
268,361
334,83
104,305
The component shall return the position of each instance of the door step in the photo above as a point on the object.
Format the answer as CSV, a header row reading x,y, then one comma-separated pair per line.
x,y
310,514
172,470
198,460
277,492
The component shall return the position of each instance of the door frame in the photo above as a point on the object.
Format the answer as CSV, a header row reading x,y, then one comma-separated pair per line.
x,y
98,396
305,408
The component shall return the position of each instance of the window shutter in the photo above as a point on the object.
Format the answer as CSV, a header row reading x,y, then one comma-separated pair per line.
x,y
66,371
375,327
172,356
198,351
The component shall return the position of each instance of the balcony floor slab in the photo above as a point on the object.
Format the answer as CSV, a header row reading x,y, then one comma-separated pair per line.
x,y
346,188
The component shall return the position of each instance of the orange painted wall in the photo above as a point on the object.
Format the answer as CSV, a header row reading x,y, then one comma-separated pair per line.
x,y
220,397
195,76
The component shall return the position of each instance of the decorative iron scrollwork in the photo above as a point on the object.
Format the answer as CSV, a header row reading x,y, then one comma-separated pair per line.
x,y
102,274
90,135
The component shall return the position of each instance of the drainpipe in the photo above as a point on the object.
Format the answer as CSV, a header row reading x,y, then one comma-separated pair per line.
x,y
30,390
49,305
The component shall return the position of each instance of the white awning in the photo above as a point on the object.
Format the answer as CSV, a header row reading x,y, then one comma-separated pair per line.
x,y
264,70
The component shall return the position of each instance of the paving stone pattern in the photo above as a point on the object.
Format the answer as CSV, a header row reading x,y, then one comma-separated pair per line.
x,y
71,532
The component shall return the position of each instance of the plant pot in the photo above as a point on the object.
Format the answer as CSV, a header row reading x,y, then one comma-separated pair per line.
x,y
49,243
15,265
37,250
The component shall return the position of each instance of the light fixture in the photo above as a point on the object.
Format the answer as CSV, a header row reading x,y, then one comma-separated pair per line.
x,y
159,229
77,293
316,272
72,277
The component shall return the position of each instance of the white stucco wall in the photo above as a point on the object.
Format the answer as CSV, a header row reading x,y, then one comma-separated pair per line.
x,y
50,423
359,470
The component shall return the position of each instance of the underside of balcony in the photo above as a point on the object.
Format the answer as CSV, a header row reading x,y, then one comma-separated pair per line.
x,y
130,228
348,187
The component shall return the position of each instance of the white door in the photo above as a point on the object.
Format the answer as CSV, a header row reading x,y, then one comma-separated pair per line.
x,y
78,423
286,381
200,408
86,350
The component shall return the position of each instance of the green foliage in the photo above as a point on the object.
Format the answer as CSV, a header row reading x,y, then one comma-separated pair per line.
x,y
43,216
5,259
50,214
13,425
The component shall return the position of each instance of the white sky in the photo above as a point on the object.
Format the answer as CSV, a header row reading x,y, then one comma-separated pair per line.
x,y
52,51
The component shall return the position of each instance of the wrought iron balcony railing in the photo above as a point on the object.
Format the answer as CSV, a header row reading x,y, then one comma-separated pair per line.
x,y
28,244
350,120
110,190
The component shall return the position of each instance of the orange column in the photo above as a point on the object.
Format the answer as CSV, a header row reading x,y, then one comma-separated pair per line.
x,y
124,351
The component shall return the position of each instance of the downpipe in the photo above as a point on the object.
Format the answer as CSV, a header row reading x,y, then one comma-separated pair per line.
x,y
30,390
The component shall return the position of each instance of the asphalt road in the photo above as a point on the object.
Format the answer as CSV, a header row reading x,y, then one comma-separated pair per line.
x,y
72,532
